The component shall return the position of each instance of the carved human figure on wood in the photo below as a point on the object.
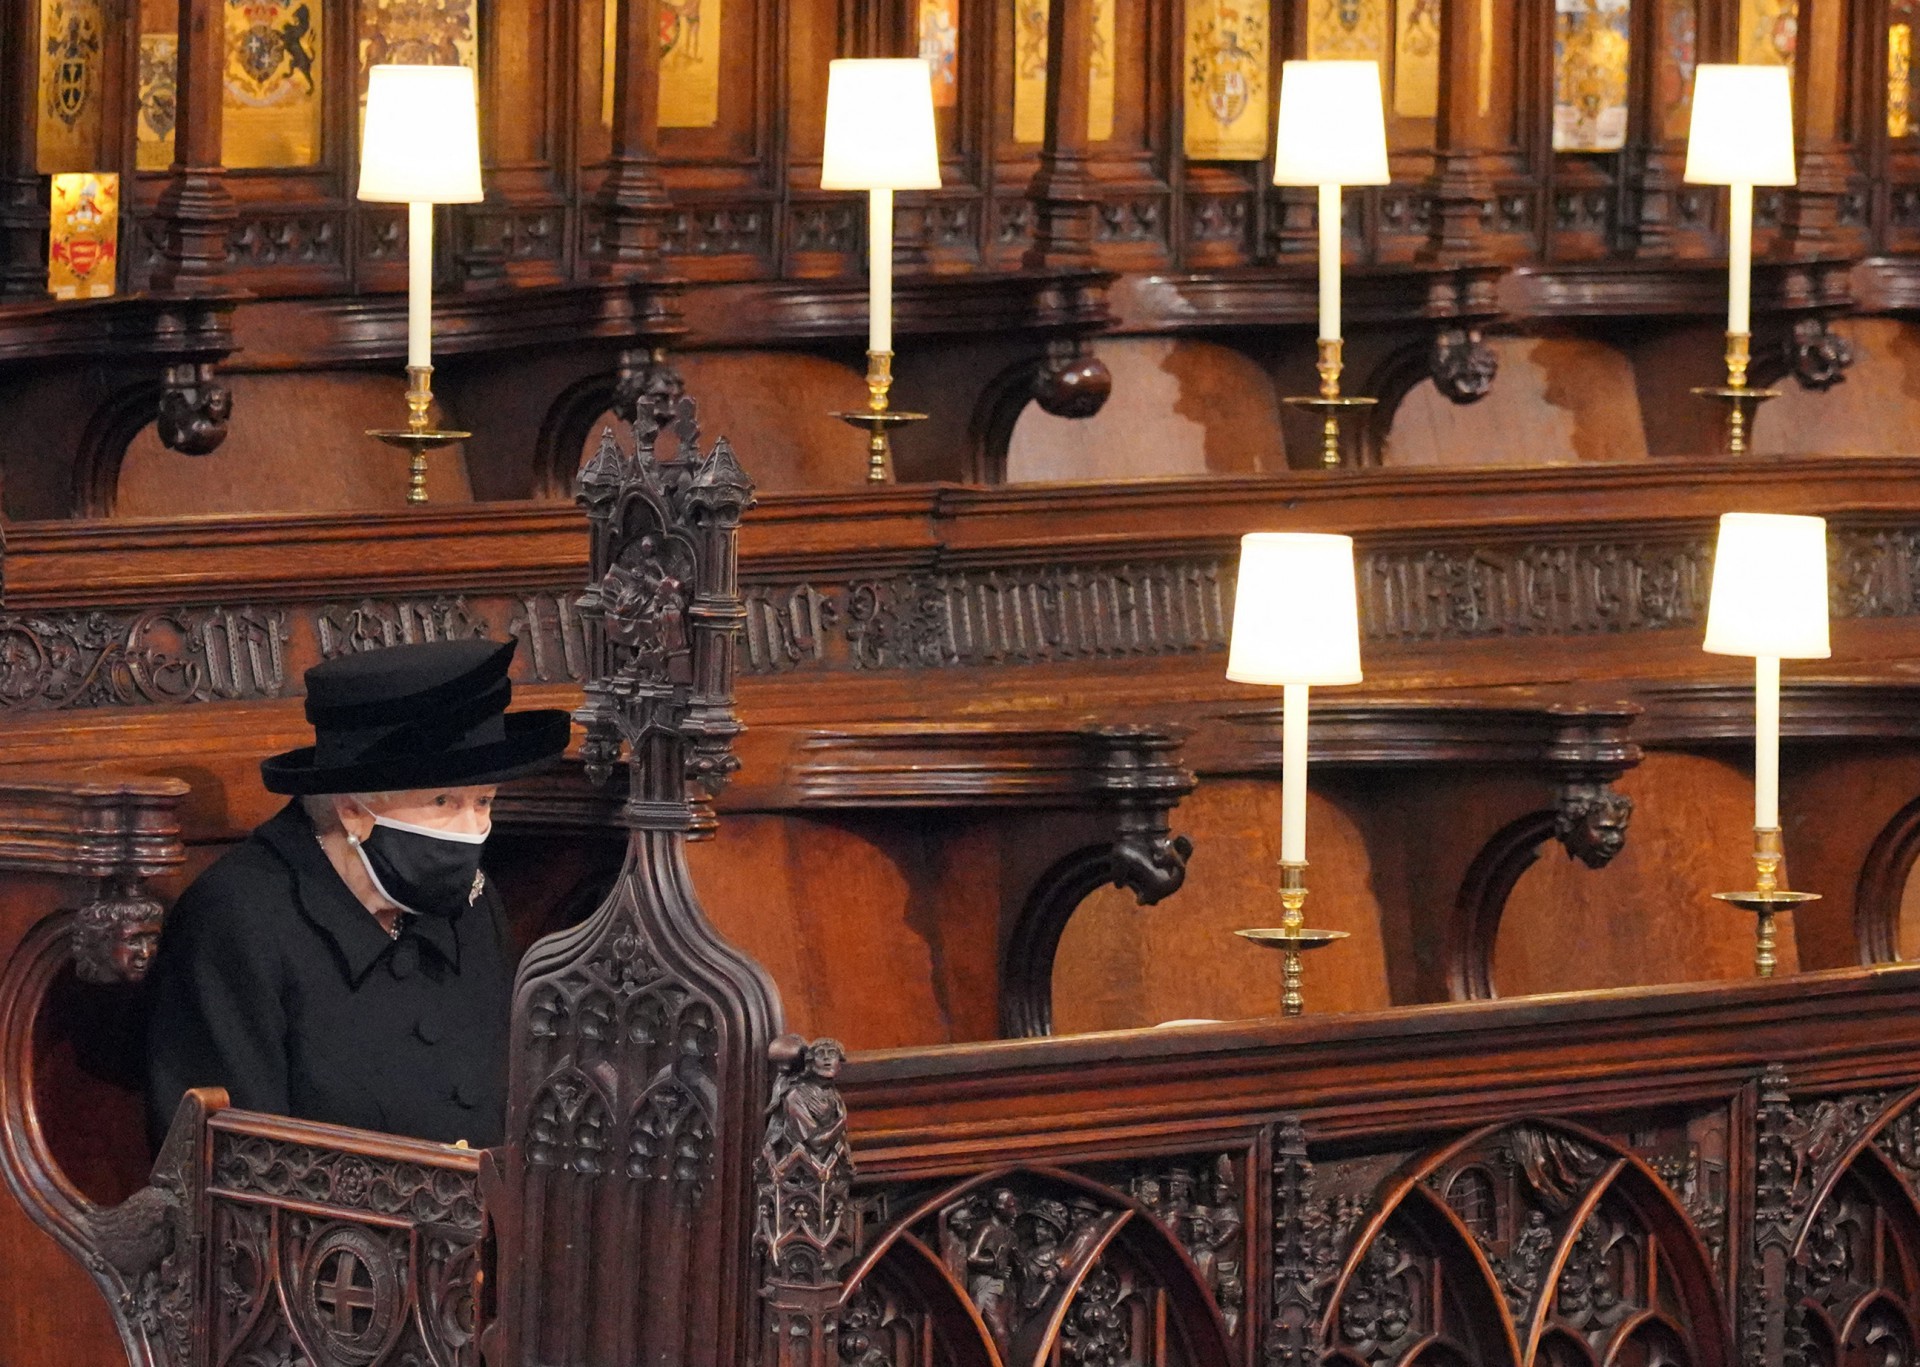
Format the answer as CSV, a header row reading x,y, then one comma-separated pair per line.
x,y
990,1252
1041,1258
805,1221
647,612
807,1112
1213,1238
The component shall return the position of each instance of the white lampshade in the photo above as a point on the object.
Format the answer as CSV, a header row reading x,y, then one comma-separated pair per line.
x,y
1742,130
1296,616
880,126
420,143
1333,128
1770,587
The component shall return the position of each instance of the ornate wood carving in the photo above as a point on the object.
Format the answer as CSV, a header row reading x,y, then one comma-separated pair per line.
x,y
640,1038
1462,365
1137,773
194,408
805,1224
1589,819
330,1247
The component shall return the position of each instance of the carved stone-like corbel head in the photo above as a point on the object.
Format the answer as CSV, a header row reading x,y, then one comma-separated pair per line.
x,y
115,934
1590,820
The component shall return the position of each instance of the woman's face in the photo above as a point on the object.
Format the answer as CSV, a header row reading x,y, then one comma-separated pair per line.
x,y
465,811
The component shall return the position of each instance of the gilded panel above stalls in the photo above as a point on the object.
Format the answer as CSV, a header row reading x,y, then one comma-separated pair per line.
x,y
1900,26
1416,59
272,106
72,47
1354,30
1030,22
1591,56
428,32
1678,54
1226,66
1769,31
690,63
272,96
937,30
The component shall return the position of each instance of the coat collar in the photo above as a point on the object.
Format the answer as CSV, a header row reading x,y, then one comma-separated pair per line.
x,y
327,902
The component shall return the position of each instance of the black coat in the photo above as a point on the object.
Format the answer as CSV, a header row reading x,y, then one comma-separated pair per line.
x,y
274,982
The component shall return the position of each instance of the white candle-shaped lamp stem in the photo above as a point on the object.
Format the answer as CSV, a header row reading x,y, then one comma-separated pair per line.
x,y
419,284
1740,259
1769,600
420,146
1766,742
1296,622
1293,774
1329,263
1741,135
880,270
880,137
1332,131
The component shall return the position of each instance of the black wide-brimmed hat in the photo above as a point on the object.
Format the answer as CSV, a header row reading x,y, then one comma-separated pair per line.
x,y
415,716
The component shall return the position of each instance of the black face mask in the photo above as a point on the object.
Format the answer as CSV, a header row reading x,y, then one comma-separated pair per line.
x,y
433,873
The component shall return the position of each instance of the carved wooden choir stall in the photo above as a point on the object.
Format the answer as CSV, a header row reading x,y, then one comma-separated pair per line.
x,y
1697,1175
879,1002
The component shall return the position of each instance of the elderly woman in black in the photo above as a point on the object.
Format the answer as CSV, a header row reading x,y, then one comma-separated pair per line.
x,y
349,961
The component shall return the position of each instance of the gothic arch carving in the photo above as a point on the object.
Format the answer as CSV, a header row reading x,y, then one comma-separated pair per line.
x,y
103,447
1482,900
1883,885
1148,862
1018,1265
564,430
1590,1253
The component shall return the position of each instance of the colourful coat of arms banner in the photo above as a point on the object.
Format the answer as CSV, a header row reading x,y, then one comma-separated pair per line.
x,y
83,235
272,110
1030,22
689,63
1226,63
937,28
1591,54
71,47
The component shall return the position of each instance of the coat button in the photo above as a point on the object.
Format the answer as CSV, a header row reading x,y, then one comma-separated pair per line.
x,y
406,959
427,1030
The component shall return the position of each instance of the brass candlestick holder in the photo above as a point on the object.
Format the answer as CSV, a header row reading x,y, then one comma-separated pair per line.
x,y
1292,938
878,419
418,437
1767,899
1330,403
1742,402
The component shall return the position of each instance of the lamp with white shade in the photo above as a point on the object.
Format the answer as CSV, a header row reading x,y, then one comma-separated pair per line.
x,y
1332,132
1741,136
1769,600
420,146
880,138
1296,623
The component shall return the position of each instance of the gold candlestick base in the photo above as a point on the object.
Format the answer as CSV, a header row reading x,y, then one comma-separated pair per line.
x,y
1292,938
1766,899
1742,403
418,437
877,418
1329,403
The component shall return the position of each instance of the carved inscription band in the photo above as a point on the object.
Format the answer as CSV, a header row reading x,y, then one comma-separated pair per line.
x,y
1026,615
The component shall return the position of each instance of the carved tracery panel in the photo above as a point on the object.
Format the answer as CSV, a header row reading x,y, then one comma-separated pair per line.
x,y
1040,1266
